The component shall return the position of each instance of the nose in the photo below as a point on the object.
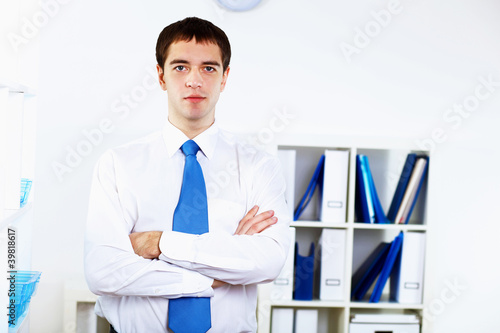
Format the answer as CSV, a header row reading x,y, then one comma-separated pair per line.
x,y
194,79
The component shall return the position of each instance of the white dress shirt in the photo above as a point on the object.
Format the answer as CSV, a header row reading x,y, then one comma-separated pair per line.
x,y
136,188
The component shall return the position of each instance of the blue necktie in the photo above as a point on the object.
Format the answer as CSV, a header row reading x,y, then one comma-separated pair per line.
x,y
190,314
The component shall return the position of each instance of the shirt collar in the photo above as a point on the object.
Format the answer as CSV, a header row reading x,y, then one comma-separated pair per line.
x,y
174,138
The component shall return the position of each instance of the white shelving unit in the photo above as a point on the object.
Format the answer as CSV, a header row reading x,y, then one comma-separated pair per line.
x,y
17,153
386,159
18,105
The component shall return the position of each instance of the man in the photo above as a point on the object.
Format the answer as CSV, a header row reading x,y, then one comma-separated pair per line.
x,y
136,258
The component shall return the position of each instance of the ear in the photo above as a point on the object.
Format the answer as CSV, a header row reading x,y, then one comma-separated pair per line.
x,y
224,79
161,77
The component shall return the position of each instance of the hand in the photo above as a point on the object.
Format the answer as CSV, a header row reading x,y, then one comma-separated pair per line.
x,y
146,244
218,283
254,224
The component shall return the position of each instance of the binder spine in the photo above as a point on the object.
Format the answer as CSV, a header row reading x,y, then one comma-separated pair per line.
x,y
304,275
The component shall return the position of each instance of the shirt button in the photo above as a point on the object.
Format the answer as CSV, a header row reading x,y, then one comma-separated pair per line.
x,y
157,291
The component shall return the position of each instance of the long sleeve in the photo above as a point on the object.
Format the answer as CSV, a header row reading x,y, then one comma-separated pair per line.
x,y
136,188
239,259
111,266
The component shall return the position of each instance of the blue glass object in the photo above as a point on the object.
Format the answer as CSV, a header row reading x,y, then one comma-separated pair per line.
x,y
25,190
22,286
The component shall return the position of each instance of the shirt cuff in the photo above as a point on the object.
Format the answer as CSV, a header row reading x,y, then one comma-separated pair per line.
x,y
195,284
177,246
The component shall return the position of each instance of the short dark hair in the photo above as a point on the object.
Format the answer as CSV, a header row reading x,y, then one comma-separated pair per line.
x,y
203,31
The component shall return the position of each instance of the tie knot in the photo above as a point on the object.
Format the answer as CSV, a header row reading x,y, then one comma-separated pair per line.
x,y
190,148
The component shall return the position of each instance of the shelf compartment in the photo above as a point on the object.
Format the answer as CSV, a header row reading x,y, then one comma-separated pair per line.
x,y
330,319
386,167
306,161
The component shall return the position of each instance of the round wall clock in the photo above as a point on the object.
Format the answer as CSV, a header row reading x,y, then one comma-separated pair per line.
x,y
239,5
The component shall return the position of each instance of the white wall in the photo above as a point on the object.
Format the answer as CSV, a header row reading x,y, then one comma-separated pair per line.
x,y
286,56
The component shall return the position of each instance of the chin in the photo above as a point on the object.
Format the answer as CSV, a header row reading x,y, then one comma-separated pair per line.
x,y
196,115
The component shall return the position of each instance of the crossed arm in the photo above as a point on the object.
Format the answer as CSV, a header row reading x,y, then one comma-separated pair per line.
x,y
117,264
147,244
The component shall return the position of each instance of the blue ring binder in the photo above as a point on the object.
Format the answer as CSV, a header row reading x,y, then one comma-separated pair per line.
x,y
316,180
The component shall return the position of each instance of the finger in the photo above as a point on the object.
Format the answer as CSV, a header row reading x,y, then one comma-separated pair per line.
x,y
255,220
261,226
248,223
251,213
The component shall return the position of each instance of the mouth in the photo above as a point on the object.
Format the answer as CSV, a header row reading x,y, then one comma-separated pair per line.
x,y
194,98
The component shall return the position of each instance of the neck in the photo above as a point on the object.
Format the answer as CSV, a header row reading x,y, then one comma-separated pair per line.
x,y
191,129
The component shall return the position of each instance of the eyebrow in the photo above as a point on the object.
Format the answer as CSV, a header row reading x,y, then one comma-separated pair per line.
x,y
182,61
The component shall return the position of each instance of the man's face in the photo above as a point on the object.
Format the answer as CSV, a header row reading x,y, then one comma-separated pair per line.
x,y
193,78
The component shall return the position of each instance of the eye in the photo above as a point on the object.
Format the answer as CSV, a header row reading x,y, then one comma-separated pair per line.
x,y
209,69
180,68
